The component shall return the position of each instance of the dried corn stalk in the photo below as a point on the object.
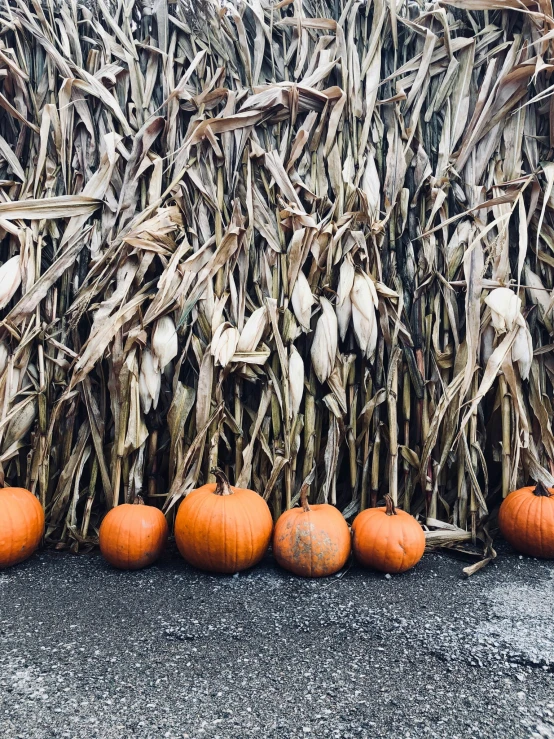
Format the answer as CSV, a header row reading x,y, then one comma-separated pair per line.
x,y
275,237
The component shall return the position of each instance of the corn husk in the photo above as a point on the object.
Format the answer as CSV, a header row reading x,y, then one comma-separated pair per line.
x,y
225,343
20,424
150,381
324,345
10,279
505,308
296,382
364,319
4,353
302,301
344,302
164,342
252,332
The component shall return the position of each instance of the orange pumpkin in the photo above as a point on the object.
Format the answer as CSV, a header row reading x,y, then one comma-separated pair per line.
x,y
221,528
21,525
133,535
526,520
387,539
311,541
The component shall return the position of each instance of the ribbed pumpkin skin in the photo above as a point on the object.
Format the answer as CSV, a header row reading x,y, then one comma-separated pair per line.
x,y
526,521
133,536
312,543
223,533
387,543
21,525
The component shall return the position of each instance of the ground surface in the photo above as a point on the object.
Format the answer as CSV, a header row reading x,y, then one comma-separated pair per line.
x,y
87,652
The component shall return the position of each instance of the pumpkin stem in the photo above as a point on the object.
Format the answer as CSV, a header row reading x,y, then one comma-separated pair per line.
x,y
304,497
304,489
139,500
223,487
541,491
391,510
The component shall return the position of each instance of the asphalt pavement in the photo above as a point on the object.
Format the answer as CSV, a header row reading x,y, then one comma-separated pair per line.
x,y
88,652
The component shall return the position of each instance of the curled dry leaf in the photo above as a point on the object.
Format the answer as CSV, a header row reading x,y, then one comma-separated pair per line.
x,y
538,294
522,349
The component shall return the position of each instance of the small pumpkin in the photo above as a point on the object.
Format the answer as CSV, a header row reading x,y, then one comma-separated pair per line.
x,y
387,539
526,520
133,535
311,541
21,525
221,528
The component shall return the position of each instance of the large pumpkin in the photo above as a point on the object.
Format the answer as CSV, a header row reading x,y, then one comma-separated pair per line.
x,y
133,535
221,528
311,541
526,520
387,539
21,525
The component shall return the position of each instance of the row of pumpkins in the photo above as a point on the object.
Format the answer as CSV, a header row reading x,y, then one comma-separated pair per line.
x,y
221,528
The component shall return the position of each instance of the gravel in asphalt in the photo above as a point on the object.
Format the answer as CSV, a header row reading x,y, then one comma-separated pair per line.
x,y
88,652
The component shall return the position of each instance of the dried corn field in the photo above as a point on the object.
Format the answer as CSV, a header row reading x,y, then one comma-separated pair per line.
x,y
271,237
